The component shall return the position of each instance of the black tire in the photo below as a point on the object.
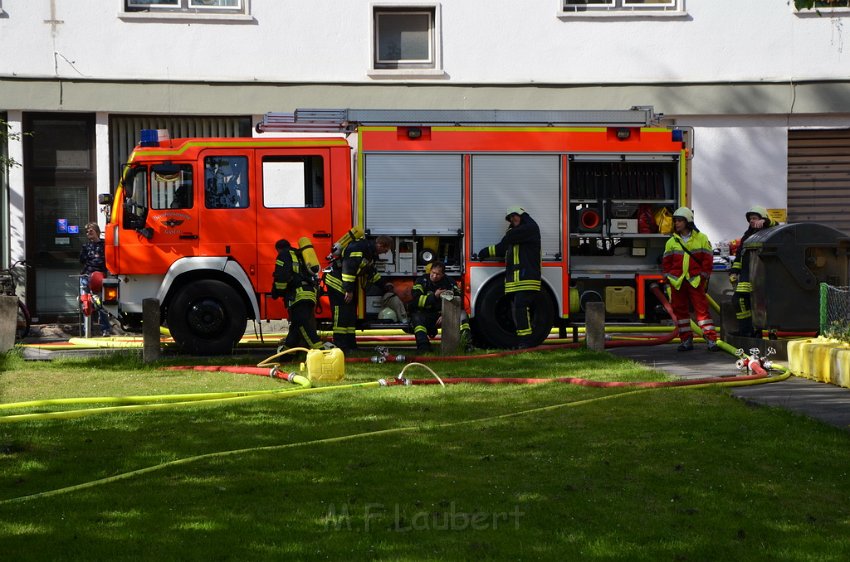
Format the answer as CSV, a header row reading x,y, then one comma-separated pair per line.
x,y
494,324
22,327
207,318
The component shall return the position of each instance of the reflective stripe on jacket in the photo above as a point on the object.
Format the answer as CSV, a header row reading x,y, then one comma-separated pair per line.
x,y
678,264
520,247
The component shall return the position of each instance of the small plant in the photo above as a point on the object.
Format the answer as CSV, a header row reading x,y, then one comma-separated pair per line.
x,y
6,134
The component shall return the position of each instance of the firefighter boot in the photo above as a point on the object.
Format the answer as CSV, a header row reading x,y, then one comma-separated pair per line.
x,y
422,343
686,345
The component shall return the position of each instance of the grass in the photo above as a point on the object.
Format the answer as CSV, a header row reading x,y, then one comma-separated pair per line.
x,y
469,472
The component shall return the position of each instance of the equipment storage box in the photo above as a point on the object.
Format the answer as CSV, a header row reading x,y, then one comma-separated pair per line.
x,y
619,300
624,226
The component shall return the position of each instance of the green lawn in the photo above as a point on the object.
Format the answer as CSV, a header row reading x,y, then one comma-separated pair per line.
x,y
465,472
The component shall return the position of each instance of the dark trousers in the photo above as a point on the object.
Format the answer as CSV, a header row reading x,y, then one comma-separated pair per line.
x,y
424,326
744,313
344,320
523,309
302,326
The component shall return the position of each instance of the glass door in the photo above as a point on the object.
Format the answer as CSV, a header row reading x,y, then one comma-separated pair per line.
x,y
59,176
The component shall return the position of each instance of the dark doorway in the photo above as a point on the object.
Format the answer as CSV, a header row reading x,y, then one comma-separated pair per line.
x,y
60,184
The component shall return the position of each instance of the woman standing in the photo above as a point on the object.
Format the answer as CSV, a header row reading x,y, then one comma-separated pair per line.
x,y
687,265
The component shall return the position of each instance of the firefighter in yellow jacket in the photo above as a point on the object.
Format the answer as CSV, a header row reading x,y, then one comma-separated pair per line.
x,y
739,275
687,263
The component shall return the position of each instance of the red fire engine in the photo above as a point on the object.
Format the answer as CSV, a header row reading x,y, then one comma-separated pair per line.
x,y
194,221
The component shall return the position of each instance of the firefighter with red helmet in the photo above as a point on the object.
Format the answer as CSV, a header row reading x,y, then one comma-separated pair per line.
x,y
739,275
687,264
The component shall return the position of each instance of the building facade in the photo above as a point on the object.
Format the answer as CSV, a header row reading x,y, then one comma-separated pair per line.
x,y
764,88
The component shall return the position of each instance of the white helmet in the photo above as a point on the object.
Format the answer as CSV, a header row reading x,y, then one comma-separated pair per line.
x,y
684,213
513,211
387,314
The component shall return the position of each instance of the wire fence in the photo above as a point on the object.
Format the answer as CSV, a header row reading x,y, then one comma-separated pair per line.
x,y
835,312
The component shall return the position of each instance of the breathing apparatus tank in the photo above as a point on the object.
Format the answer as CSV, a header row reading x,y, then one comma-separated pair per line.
x,y
354,233
309,255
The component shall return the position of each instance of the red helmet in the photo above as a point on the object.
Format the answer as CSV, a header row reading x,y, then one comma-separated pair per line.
x,y
96,281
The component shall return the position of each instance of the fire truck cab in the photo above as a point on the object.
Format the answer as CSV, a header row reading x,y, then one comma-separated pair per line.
x,y
193,222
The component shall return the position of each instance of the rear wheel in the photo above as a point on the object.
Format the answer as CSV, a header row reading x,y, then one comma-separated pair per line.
x,y
494,321
207,318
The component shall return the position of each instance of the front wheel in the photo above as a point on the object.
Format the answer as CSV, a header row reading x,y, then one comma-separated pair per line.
x,y
494,320
207,318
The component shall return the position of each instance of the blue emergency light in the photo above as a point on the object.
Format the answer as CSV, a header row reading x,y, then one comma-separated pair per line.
x,y
678,135
152,137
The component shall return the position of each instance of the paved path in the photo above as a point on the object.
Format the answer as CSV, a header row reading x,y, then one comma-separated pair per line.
x,y
825,402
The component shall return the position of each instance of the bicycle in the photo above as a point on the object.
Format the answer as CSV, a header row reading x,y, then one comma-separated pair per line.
x,y
8,287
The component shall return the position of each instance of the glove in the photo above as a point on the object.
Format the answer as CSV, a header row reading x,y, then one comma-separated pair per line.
x,y
481,254
733,278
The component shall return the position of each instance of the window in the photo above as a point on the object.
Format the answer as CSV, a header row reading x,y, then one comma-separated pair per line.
x,y
621,6
293,182
172,189
191,7
135,198
406,38
226,182
827,5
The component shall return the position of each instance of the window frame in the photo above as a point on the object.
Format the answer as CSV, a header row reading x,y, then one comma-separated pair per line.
x,y
313,191
411,68
184,9
621,8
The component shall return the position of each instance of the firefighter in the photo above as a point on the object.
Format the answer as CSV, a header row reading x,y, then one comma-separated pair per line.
x,y
427,306
687,263
354,269
520,247
739,275
294,282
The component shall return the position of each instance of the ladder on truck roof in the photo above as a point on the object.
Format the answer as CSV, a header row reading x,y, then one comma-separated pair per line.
x,y
347,120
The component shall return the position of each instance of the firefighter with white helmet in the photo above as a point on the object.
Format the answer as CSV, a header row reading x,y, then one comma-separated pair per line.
x,y
520,248
739,275
687,264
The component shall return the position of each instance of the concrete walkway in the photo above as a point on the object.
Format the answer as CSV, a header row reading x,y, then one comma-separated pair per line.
x,y
825,402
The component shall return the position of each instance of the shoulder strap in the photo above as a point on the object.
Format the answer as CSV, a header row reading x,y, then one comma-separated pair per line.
x,y
679,240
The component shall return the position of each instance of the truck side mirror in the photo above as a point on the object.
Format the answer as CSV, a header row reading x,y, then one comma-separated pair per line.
x,y
105,199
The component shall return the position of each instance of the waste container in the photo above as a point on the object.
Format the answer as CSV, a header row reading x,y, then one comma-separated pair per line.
x,y
787,264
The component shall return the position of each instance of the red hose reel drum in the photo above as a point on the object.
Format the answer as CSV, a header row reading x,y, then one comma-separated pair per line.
x,y
589,220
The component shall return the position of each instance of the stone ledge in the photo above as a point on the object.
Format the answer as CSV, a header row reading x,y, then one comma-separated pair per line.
x,y
820,359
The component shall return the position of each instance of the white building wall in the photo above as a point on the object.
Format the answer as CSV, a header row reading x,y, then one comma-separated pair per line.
x,y
493,42
741,72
